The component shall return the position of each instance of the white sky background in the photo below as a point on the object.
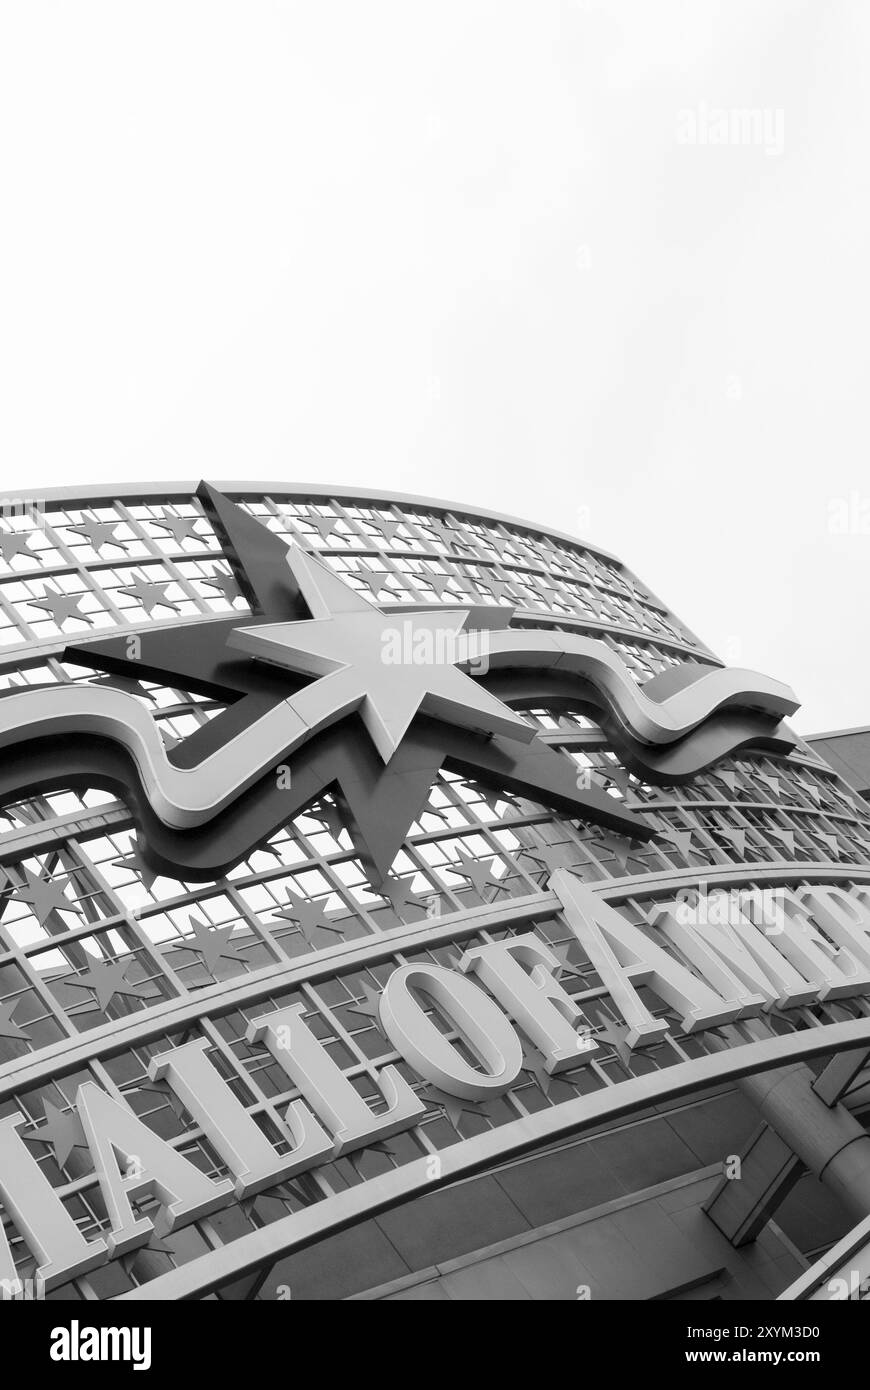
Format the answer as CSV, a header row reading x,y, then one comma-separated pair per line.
x,y
457,247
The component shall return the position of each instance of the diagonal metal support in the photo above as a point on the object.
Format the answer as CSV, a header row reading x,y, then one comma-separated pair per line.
x,y
741,1206
834,1081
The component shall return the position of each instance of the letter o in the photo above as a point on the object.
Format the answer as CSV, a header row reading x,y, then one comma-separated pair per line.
x,y
486,1030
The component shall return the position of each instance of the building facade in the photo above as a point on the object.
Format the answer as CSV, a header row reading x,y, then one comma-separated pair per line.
x,y
397,901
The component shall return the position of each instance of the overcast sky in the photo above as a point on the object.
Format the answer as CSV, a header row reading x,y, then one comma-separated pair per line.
x,y
525,255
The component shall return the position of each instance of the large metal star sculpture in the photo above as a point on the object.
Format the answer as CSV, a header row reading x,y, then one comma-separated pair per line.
x,y
318,650
367,662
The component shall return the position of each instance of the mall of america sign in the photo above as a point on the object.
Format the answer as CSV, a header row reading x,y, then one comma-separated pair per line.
x,y
747,951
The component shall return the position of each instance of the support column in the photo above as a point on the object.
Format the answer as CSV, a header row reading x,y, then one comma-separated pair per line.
x,y
827,1139
804,1126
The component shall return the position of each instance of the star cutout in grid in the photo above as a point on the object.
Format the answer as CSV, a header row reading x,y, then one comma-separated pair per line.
x,y
478,873
43,896
106,979
129,687
62,1129
149,593
98,533
400,895
212,943
181,528
309,917
330,818
439,583
8,1027
549,858
773,783
14,543
618,847
533,1065
500,590
454,1107
736,835
60,607
388,529
369,1006
156,1243
225,585
374,580
614,1035
323,525
680,839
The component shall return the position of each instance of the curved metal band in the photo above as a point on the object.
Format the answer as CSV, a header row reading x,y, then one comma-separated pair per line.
x,y
378,1194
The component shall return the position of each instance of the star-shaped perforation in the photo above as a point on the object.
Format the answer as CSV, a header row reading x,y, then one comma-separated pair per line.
x,y
98,533
492,797
614,1035
478,873
105,979
548,1082
44,897
14,543
549,858
8,1027
225,585
323,525
213,944
309,917
149,593
772,783
783,834
736,837
61,608
134,860
454,1107
681,840
501,591
181,528
369,1005
388,529
156,1243
129,687
439,583
62,1129
374,580
400,895
619,847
